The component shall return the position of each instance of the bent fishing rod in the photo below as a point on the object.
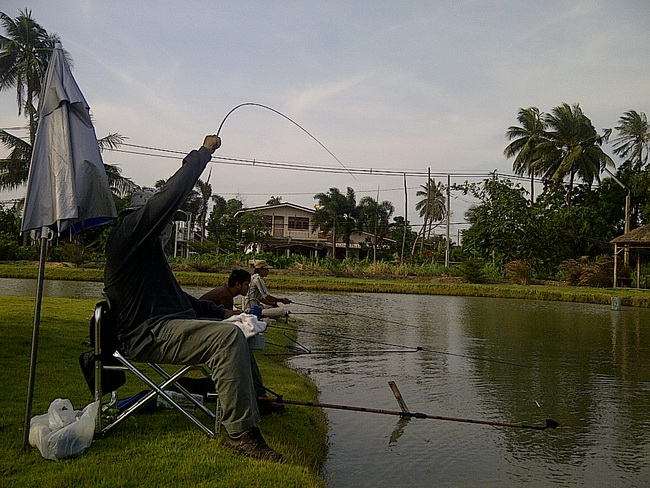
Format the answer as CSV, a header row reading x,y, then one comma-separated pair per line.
x,y
260,105
550,423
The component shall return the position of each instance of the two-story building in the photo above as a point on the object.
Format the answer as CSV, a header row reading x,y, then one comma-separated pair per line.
x,y
290,228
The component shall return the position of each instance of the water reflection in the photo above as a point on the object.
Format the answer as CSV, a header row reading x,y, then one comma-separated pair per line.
x,y
583,365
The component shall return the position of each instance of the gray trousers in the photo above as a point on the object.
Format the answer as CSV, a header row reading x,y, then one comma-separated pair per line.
x,y
222,347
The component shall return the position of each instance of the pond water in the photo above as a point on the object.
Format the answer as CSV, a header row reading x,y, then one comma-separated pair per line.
x,y
65,289
514,361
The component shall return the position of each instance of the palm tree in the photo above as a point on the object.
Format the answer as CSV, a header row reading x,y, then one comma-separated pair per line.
x,y
374,218
24,55
329,211
526,138
204,189
432,208
350,218
633,139
14,169
572,147
121,186
25,51
274,201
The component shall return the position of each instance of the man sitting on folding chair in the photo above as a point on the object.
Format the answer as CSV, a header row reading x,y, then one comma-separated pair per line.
x,y
158,322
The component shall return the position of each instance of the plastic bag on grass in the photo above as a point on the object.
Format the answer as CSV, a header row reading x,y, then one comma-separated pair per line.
x,y
63,431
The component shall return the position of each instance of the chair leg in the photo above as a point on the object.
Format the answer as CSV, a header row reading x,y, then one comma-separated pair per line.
x,y
182,390
217,411
159,389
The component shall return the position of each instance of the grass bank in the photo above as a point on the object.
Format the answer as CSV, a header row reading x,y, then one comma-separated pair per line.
x,y
281,280
157,449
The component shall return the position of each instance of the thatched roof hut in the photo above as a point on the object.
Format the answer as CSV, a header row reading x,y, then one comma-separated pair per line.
x,y
638,239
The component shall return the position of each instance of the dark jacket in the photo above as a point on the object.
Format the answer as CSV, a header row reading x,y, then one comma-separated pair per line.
x,y
138,280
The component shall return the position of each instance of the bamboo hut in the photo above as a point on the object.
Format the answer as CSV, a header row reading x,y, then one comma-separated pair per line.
x,y
638,239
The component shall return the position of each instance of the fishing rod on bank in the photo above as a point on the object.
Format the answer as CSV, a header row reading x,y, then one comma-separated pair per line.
x,y
550,423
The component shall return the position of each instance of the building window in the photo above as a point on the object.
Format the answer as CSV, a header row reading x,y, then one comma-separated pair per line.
x,y
299,223
268,221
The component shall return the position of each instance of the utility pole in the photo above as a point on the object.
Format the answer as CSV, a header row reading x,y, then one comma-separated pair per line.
x,y
406,210
447,250
626,253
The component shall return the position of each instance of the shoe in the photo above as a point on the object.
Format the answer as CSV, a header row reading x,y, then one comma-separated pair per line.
x,y
268,407
251,443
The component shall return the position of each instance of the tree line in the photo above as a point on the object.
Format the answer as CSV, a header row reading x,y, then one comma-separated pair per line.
x,y
575,215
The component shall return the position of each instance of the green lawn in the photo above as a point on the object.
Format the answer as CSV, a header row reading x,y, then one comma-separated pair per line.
x,y
156,449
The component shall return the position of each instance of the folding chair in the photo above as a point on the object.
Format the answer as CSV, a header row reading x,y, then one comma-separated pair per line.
x,y
105,342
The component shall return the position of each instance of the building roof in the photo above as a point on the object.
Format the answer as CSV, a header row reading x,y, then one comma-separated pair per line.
x,y
639,237
261,208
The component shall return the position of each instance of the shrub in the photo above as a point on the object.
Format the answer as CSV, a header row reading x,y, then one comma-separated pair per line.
x,y
202,262
380,267
69,252
519,272
472,270
582,272
352,265
426,269
10,250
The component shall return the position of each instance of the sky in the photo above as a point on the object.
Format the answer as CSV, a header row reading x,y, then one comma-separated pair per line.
x,y
410,86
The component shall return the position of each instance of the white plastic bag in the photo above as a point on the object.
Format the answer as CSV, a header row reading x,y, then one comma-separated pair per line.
x,y
63,432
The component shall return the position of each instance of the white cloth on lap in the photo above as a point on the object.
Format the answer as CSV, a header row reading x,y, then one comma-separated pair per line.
x,y
248,323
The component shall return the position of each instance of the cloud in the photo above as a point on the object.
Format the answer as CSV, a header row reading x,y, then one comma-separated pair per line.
x,y
314,97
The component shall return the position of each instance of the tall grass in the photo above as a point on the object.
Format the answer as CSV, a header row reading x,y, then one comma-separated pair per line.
x,y
157,449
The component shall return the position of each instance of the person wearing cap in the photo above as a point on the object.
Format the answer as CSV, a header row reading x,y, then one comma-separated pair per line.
x,y
158,322
258,294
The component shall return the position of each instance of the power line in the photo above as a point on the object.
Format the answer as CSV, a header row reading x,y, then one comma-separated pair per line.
x,y
239,161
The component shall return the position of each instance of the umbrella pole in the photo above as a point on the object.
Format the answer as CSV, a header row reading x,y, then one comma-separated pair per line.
x,y
35,333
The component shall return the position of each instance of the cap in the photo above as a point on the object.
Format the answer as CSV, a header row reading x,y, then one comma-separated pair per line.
x,y
261,264
138,199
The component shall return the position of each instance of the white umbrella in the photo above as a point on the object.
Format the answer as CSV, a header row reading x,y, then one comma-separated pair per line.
x,y
67,189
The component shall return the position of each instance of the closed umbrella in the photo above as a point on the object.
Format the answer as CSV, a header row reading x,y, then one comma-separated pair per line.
x,y
67,189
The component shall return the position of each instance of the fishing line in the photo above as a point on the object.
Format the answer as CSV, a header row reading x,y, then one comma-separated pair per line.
x,y
299,349
339,353
253,104
402,346
337,336
340,312
334,314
